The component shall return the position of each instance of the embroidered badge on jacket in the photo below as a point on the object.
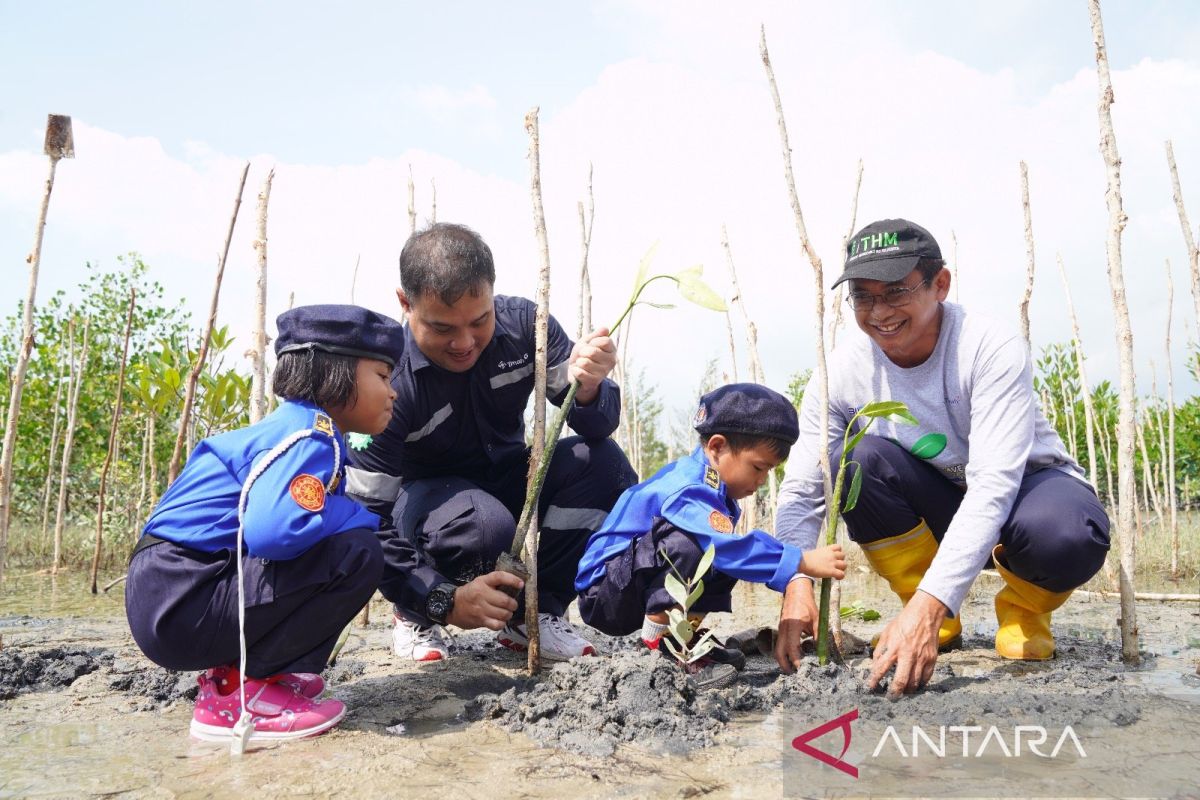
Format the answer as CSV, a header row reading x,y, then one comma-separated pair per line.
x,y
711,479
308,492
720,523
323,424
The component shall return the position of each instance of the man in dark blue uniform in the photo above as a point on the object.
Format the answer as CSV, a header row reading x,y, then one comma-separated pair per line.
x,y
450,470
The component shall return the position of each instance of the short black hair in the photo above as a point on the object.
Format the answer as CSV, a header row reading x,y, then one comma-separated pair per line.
x,y
930,267
744,441
323,379
447,260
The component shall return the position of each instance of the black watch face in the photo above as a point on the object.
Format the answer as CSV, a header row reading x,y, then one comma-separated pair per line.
x,y
438,605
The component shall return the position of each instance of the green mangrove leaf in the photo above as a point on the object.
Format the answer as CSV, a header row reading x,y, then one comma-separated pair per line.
x,y
671,646
700,651
888,409
697,291
870,615
855,488
929,445
643,270
856,438
682,629
695,595
706,561
675,588
664,306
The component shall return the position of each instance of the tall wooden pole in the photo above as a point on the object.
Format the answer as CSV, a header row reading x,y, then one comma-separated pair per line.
x,y
541,331
1170,488
1028,296
189,397
586,222
59,144
1188,239
819,327
258,337
78,370
1126,433
112,439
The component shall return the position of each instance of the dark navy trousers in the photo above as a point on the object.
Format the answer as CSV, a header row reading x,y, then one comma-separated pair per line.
x,y
182,604
1056,535
458,526
632,586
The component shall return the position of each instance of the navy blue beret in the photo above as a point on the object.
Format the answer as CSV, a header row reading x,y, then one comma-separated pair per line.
x,y
747,408
344,330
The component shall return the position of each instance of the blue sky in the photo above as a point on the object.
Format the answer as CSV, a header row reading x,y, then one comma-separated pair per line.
x,y
667,99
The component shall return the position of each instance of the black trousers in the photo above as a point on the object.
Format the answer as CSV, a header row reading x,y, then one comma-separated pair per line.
x,y
460,525
182,604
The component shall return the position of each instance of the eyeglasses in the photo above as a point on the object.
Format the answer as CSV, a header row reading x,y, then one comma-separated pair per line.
x,y
894,296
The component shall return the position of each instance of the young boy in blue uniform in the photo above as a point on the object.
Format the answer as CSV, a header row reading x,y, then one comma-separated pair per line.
x,y
746,430
309,556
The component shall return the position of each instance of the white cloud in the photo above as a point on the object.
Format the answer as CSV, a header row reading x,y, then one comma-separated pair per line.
x,y
684,140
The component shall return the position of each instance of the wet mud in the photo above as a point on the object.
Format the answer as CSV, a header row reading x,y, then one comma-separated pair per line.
x,y
84,714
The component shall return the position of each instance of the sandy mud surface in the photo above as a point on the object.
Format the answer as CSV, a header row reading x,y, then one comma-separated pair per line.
x,y
82,713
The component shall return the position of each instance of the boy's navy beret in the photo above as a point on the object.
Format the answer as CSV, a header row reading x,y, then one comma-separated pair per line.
x,y
747,408
341,329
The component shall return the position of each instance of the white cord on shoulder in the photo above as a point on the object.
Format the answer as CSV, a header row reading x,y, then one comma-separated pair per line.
x,y
244,726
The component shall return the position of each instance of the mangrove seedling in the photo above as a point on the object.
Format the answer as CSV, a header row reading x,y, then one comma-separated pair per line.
x,y
692,288
880,409
685,592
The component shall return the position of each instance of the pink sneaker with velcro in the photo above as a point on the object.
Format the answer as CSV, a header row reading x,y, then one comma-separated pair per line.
x,y
306,684
278,711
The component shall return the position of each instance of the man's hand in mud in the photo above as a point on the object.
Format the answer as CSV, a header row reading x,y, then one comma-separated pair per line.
x,y
910,644
797,619
482,604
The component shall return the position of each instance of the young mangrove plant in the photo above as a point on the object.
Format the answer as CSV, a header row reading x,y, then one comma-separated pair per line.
x,y
692,288
686,592
880,409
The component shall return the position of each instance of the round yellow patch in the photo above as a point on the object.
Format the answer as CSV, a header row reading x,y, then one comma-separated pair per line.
x,y
720,523
308,492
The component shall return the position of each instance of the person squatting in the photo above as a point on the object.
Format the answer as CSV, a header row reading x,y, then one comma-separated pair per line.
x,y
274,536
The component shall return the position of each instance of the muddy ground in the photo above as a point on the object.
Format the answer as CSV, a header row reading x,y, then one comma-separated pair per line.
x,y
83,714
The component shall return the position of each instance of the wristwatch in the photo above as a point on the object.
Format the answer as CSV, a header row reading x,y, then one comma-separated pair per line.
x,y
440,602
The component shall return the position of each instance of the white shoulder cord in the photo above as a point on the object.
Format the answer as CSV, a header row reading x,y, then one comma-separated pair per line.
x,y
244,727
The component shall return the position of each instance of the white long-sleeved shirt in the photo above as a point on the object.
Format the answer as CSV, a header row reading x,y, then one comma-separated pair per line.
x,y
980,425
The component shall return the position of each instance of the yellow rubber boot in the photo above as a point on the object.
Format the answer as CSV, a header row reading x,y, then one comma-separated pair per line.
x,y
902,561
1023,611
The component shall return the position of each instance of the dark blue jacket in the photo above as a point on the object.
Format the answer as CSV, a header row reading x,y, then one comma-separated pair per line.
x,y
469,424
294,502
690,495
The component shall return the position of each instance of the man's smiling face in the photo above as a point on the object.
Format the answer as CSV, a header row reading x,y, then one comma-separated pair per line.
x,y
907,335
452,336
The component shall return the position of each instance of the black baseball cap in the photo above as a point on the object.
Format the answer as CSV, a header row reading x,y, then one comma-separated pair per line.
x,y
887,250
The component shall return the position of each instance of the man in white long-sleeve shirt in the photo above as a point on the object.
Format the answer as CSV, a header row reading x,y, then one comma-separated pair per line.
x,y
983,477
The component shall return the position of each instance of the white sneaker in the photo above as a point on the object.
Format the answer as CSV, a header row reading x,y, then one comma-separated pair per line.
x,y
559,641
420,642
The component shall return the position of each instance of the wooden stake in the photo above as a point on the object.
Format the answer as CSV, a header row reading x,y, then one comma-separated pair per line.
x,y
112,439
54,442
954,265
1116,278
258,337
756,369
1172,494
836,325
541,331
1028,296
433,203
189,397
819,326
77,375
59,144
412,203
1190,241
354,277
1085,389
586,222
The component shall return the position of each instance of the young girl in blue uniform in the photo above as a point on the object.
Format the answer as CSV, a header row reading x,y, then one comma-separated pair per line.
x,y
746,430
262,625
